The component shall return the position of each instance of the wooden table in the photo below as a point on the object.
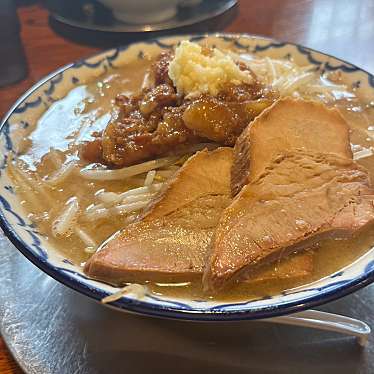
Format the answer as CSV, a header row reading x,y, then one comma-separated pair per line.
x,y
344,28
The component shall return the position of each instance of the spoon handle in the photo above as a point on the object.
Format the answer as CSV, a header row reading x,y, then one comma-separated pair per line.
x,y
327,321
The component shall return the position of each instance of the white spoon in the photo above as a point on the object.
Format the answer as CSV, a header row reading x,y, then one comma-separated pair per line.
x,y
327,321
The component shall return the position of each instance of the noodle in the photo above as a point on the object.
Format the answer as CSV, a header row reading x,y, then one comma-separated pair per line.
x,y
130,199
297,82
137,197
62,174
63,224
131,207
149,178
140,190
137,289
366,152
166,174
271,69
112,198
290,79
106,174
23,184
102,212
108,198
90,250
35,185
86,239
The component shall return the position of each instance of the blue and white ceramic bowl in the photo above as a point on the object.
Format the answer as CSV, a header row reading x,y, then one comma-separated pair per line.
x,y
27,239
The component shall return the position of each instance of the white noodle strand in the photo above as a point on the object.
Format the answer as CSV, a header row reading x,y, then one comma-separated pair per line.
x,y
62,225
109,199
291,79
100,213
106,174
149,178
130,199
366,152
89,172
36,184
138,290
60,175
86,239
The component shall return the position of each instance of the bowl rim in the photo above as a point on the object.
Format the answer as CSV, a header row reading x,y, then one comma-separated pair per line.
x,y
166,311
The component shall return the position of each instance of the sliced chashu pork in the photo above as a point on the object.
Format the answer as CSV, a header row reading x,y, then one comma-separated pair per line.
x,y
299,199
287,124
170,244
293,150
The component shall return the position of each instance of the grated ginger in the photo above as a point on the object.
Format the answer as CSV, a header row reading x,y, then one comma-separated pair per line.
x,y
194,73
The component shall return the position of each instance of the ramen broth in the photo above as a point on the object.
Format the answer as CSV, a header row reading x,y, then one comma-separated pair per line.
x,y
72,119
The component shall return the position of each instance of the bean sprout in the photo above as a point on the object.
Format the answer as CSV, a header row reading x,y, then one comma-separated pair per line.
x,y
63,223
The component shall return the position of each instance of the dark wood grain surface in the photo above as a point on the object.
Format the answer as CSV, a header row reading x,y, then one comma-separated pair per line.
x,y
343,28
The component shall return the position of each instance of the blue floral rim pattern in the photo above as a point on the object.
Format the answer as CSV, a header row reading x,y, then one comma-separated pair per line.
x,y
33,249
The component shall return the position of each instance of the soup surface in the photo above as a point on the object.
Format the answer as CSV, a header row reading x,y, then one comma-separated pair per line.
x,y
48,177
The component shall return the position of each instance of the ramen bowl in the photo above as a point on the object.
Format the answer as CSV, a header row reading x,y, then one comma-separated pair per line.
x,y
28,240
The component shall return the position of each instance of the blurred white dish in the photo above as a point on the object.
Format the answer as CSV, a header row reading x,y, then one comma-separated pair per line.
x,y
142,11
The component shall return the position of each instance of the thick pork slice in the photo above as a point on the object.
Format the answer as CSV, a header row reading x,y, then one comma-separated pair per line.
x,y
299,198
171,241
287,125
